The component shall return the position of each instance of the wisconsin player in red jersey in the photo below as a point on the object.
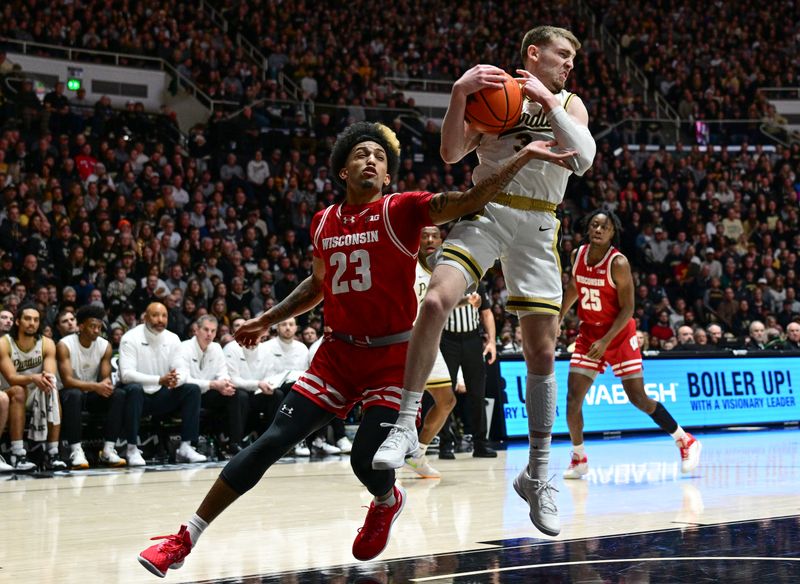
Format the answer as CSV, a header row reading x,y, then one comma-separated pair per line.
x,y
365,254
603,286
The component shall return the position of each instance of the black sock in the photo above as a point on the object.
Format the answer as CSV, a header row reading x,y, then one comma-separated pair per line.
x,y
662,417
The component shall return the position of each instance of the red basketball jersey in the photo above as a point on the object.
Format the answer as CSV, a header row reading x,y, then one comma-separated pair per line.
x,y
598,304
370,253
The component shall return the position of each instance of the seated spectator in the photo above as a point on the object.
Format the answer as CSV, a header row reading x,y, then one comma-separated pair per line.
x,y
66,323
643,340
154,386
792,341
200,361
28,369
701,340
84,367
249,369
757,337
661,329
121,288
6,322
685,339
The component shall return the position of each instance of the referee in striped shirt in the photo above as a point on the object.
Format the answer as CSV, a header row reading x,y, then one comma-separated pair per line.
x,y
462,346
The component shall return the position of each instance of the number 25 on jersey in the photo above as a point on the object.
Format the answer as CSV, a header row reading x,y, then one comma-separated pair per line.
x,y
590,300
359,259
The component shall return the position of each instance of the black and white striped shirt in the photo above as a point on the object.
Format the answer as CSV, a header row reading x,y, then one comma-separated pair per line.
x,y
465,319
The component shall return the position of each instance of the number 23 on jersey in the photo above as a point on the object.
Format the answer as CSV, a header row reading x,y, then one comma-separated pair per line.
x,y
359,260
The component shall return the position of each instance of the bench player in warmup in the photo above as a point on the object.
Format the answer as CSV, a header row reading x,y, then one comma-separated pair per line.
x,y
365,253
603,287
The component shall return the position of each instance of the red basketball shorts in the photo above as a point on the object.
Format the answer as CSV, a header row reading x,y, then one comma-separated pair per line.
x,y
341,375
622,353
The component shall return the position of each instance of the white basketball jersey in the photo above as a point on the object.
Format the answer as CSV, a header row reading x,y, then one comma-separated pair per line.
x,y
85,361
421,283
26,362
537,179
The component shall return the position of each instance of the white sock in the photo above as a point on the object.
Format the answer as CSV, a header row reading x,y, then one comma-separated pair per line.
x,y
390,500
196,526
539,458
579,450
17,447
185,445
76,446
52,448
421,450
409,406
678,435
132,449
108,446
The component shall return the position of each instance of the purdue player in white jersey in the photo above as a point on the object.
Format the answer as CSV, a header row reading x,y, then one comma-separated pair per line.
x,y
28,367
84,367
521,229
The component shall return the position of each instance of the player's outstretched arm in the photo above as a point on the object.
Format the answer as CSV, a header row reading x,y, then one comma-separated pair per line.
x,y
451,205
302,299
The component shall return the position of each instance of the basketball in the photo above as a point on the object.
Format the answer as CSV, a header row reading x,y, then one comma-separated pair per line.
x,y
495,110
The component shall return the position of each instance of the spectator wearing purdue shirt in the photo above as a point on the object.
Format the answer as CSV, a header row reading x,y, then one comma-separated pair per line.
x,y
200,361
462,347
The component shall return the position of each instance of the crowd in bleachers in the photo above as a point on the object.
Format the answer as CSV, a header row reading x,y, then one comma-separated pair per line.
x,y
177,32
709,59
100,207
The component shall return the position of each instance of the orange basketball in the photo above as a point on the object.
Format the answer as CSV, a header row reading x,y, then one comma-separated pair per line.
x,y
495,110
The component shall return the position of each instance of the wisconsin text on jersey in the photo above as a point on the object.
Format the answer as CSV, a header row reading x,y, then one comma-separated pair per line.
x,y
590,281
350,239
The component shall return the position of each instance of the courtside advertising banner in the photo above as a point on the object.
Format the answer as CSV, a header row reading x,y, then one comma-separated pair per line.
x,y
697,392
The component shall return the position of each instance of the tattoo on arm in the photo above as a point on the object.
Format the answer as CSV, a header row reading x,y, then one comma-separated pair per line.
x,y
451,205
302,299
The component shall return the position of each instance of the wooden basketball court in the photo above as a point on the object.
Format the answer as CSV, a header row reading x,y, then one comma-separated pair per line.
x,y
634,518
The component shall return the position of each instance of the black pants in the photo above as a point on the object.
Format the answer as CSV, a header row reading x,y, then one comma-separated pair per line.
x,y
465,350
261,403
235,407
185,398
297,418
73,401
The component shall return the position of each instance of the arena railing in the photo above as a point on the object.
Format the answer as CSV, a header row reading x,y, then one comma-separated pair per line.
x,y
118,60
665,131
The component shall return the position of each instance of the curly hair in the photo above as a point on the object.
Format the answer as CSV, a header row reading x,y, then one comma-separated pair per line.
x,y
615,221
90,311
363,132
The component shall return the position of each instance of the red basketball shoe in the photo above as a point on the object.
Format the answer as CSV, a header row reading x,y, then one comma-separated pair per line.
x,y
690,449
170,553
374,535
